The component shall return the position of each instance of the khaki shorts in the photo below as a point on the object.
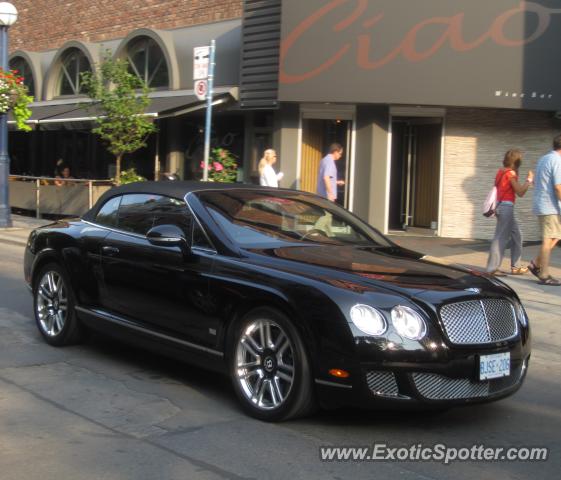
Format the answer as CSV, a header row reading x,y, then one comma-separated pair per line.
x,y
551,226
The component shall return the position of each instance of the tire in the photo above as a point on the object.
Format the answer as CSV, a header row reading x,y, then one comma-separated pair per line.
x,y
269,367
53,307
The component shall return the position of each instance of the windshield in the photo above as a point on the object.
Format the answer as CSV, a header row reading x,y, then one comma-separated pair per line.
x,y
259,219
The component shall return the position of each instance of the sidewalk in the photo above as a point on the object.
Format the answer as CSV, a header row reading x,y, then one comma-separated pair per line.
x,y
18,234
471,252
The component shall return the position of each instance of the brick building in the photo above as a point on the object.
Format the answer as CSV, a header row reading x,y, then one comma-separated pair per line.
x,y
426,103
47,24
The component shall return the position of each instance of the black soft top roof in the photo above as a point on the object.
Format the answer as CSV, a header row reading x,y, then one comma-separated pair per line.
x,y
174,189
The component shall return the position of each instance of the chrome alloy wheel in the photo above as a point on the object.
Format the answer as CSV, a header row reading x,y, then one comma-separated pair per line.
x,y
265,364
51,303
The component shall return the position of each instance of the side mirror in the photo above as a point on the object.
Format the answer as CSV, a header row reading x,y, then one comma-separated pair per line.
x,y
167,236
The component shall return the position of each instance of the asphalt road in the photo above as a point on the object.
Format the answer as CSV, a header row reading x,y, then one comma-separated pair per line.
x,y
107,411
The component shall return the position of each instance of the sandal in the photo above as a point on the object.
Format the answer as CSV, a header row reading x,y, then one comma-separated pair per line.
x,y
519,270
534,269
497,273
553,282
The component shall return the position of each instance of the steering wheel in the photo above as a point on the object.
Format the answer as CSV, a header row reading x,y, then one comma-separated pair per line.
x,y
314,232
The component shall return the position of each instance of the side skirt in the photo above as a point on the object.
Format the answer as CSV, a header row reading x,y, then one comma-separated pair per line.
x,y
161,343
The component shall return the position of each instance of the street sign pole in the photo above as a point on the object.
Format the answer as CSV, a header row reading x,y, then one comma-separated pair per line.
x,y
5,215
208,124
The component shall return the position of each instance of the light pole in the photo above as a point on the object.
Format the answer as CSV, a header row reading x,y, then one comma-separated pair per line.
x,y
8,16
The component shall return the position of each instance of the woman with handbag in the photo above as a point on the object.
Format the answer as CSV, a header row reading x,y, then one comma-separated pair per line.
x,y
507,230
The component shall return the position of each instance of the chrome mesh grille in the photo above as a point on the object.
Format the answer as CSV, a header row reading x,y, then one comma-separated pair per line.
x,y
438,387
479,321
501,318
382,383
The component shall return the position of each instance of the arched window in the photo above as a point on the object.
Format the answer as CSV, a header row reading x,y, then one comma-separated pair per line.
x,y
147,60
74,63
24,70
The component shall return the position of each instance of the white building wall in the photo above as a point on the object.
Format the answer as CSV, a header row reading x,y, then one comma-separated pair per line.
x,y
474,146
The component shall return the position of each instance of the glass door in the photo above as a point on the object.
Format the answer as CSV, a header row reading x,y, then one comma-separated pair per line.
x,y
415,173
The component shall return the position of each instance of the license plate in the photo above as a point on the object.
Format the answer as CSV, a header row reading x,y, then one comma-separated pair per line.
x,y
494,366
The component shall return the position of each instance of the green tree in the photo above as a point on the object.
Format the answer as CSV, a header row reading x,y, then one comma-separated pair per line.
x,y
120,99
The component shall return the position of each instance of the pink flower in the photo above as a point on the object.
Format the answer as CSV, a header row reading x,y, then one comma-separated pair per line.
x,y
202,165
218,166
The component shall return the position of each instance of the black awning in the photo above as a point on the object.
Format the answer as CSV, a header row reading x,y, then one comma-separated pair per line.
x,y
43,112
83,112
79,115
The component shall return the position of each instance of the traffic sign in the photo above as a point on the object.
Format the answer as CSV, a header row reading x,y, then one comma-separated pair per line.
x,y
201,89
201,60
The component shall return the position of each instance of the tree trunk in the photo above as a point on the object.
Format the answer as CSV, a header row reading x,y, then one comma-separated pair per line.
x,y
118,169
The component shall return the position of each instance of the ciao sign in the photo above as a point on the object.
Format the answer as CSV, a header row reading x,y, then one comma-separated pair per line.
x,y
349,31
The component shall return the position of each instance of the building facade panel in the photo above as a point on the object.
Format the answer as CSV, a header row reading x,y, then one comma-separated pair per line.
x,y
474,145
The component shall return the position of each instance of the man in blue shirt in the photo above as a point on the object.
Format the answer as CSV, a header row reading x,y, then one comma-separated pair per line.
x,y
547,206
327,176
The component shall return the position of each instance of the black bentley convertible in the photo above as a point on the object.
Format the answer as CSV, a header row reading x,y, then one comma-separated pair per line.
x,y
296,299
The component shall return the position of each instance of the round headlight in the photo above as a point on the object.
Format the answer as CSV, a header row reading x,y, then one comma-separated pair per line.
x,y
368,320
521,314
408,323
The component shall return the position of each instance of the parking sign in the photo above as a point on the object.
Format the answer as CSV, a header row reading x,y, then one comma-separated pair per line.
x,y
201,60
201,89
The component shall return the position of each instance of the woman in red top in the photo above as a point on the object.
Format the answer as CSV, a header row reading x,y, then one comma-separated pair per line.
x,y
507,230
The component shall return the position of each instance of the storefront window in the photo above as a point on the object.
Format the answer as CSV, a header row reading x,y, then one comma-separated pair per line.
x,y
74,63
22,67
147,60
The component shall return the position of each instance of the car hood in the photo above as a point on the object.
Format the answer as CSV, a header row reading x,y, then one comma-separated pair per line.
x,y
391,268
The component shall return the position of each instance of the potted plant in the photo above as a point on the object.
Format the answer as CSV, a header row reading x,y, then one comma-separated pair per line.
x,y
14,97
222,166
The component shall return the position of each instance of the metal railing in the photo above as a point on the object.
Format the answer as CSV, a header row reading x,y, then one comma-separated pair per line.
x,y
59,196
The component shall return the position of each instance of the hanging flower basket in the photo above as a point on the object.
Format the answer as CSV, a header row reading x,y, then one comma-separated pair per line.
x,y
14,97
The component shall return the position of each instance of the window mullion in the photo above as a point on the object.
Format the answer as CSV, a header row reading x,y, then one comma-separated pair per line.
x,y
67,75
77,91
146,62
155,71
132,64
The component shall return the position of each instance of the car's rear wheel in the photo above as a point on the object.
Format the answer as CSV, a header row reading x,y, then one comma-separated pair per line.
x,y
54,307
270,368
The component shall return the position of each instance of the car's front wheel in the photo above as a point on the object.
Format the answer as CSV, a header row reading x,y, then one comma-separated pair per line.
x,y
54,302
270,368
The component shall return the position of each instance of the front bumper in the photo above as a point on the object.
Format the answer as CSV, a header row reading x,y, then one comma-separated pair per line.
x,y
424,383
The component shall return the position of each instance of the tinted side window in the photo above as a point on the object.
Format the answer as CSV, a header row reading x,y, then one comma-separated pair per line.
x,y
138,213
107,215
171,211
135,213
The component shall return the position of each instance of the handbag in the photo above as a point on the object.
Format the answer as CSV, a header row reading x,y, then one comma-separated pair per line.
x,y
490,203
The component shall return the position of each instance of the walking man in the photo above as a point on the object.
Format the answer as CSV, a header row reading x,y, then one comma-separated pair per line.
x,y
547,206
327,177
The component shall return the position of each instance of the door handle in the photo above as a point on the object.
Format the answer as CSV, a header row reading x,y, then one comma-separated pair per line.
x,y
109,251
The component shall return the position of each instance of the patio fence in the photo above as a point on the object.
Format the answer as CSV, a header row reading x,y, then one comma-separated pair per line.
x,y
74,197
